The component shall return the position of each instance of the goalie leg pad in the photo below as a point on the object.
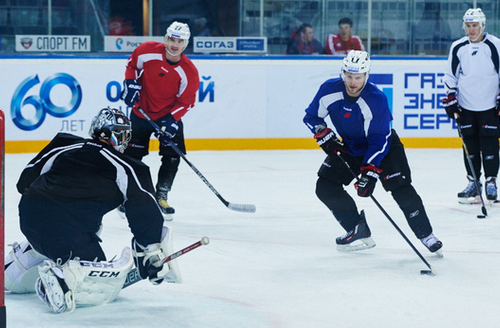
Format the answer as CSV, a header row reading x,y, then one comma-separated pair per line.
x,y
21,270
96,283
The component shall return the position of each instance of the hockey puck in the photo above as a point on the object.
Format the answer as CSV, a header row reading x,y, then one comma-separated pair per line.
x,y
481,216
427,272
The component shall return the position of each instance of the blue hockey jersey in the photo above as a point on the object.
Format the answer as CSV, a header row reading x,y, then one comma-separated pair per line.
x,y
363,123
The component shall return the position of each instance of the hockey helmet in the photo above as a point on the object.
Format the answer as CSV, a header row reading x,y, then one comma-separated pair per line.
x,y
356,61
112,125
179,30
474,15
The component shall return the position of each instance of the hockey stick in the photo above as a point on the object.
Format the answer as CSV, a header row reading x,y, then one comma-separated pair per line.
x,y
134,277
248,208
430,271
466,150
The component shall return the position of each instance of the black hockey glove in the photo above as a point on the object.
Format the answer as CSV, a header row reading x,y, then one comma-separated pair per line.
x,y
369,176
130,93
328,141
450,104
169,127
498,105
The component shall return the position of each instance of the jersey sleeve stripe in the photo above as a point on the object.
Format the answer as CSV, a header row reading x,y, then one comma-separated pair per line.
x,y
184,80
120,167
141,59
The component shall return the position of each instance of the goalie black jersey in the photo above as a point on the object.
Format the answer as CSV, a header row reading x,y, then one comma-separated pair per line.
x,y
79,180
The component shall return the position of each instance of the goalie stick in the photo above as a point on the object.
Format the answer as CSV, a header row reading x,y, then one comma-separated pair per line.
x,y
248,208
427,272
134,277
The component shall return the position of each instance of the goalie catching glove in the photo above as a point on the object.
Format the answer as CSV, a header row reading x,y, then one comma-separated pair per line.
x,y
328,141
149,260
369,176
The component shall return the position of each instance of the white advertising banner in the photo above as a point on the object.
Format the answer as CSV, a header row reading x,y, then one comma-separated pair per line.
x,y
52,43
127,43
237,98
229,44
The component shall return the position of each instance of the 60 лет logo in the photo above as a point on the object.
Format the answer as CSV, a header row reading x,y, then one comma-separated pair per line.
x,y
43,103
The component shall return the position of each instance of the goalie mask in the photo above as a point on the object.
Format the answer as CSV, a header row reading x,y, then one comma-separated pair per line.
x,y
474,15
178,30
112,125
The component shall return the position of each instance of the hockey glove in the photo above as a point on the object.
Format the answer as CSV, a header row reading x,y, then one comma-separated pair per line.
x,y
130,93
450,104
366,183
149,261
169,127
498,105
328,141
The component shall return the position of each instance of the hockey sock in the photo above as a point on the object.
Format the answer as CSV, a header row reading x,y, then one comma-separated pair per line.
x,y
413,208
472,144
489,150
339,202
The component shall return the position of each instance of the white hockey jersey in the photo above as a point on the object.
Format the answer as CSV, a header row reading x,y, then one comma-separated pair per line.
x,y
473,72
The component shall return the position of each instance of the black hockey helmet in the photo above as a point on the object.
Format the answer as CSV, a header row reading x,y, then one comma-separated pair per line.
x,y
113,125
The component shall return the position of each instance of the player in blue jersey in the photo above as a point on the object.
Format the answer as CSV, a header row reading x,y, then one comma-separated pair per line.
x,y
360,116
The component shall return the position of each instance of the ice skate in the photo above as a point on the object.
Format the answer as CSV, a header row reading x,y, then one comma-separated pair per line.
x,y
491,189
52,289
470,195
356,239
121,211
433,244
167,210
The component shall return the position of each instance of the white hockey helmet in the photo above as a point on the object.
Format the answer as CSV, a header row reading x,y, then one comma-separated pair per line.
x,y
180,31
112,125
474,15
356,61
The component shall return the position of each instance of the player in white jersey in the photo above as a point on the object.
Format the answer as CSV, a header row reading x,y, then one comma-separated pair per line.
x,y
472,80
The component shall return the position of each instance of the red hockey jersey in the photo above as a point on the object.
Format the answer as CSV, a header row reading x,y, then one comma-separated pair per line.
x,y
336,46
166,88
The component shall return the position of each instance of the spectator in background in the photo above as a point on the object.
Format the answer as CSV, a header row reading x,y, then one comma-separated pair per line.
x,y
200,27
303,42
341,43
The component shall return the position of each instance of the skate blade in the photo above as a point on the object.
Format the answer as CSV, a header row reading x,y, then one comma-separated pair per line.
x,y
469,200
168,217
358,245
439,253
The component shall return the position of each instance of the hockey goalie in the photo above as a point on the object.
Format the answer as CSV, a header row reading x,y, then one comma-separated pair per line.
x,y
66,190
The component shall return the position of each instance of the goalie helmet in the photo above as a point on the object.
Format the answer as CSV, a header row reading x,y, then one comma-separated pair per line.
x,y
356,61
180,31
112,125
475,15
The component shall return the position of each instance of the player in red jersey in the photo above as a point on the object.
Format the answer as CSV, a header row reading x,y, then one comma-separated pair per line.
x,y
162,81
341,43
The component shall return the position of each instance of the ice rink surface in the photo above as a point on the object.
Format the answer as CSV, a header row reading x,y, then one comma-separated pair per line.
x,y
279,267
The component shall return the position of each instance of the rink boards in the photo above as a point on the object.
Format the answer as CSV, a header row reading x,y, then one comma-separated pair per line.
x,y
243,102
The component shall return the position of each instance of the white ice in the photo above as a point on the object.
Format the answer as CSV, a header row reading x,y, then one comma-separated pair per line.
x,y
279,267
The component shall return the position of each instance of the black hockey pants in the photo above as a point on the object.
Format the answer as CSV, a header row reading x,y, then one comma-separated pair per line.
x,y
396,178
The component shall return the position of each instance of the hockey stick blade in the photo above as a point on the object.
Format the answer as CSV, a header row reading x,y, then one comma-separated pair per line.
x,y
247,208
133,275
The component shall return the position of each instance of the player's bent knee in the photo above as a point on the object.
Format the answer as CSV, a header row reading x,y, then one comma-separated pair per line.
x,y
21,268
